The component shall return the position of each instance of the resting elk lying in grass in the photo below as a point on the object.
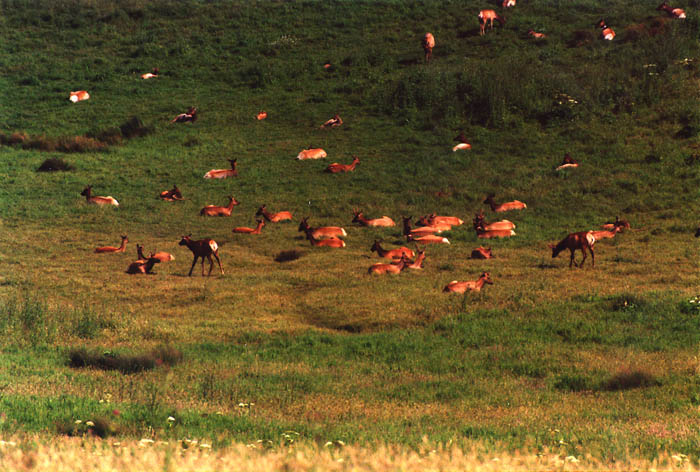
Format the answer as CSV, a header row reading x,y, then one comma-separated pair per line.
x,y
322,232
567,163
428,44
422,230
678,13
189,117
391,253
202,248
623,224
433,220
536,35
479,221
487,16
508,3
333,122
427,239
172,194
150,75
161,255
507,206
471,285
261,116
336,168
463,144
606,32
273,217
384,221
582,241
605,234
256,230
223,173
79,96
122,248
142,266
494,233
213,210
418,263
87,193
331,242
394,268
311,153
481,253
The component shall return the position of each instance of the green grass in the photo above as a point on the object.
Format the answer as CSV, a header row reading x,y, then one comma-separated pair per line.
x,y
605,356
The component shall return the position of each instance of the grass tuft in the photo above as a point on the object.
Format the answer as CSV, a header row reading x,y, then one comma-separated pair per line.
x,y
630,379
288,256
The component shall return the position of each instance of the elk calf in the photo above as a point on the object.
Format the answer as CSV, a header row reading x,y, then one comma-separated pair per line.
x,y
471,285
87,193
121,248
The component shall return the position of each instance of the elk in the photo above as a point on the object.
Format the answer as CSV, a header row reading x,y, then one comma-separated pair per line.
x,y
508,3
273,217
463,144
678,13
383,221
189,117
213,210
393,268
479,221
605,234
161,255
261,116
507,206
418,263
422,230
481,253
487,16
331,242
142,266
493,233
121,248
202,248
87,193
171,195
583,240
311,153
433,219
623,224
322,232
79,96
471,285
536,35
606,32
223,173
392,253
256,230
150,75
428,45
427,239
336,168
568,162
333,122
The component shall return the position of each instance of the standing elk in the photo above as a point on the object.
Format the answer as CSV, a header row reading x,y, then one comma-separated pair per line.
x,y
479,221
583,240
606,32
568,162
471,285
202,248
121,248
391,253
223,173
311,153
172,194
322,232
142,266
487,16
213,210
678,13
463,143
482,253
274,217
336,168
507,206
428,44
333,122
331,242
256,230
150,75
188,117
394,268
79,96
384,221
87,193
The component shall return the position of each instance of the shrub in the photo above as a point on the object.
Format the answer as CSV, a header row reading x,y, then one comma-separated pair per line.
x,y
81,358
53,164
286,256
626,380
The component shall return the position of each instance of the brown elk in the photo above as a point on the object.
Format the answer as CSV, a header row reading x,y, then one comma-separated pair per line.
x,y
428,44
508,3
322,232
331,242
223,173
487,16
87,193
605,234
606,32
433,219
261,116
471,285
161,255
623,224
79,96
463,143
391,253
481,253
150,75
394,268
536,35
568,162
507,206
583,241
494,233
121,248
256,230
427,239
203,248
360,218
142,266
418,262
479,221
333,122
336,168
678,13
311,153
422,230
273,217
189,117
172,194
213,210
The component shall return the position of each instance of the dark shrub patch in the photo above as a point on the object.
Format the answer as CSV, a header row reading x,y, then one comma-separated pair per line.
x,y
134,128
627,380
286,256
54,164
99,427
124,364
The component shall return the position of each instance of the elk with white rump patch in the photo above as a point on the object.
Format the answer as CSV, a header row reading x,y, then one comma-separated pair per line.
x,y
223,173
322,232
87,193
202,248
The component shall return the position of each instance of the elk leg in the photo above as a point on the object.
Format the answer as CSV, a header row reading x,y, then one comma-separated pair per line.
x,y
592,257
193,263
583,250
203,264
219,261
211,264
572,261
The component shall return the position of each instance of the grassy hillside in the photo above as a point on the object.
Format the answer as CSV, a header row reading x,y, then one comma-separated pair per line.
x,y
600,360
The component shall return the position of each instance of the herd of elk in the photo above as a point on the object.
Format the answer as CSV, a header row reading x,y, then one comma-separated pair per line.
x,y
150,75
330,242
487,16
79,96
606,32
323,232
213,210
507,206
428,44
223,173
273,217
311,153
122,248
202,248
172,194
678,13
463,143
471,285
333,122
190,116
384,221
391,253
87,193
567,163
336,168
256,230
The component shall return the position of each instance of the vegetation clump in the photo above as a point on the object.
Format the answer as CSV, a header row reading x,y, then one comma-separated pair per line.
x,y
54,164
81,358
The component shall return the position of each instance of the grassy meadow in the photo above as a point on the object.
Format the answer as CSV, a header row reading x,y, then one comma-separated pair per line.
x,y
596,362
